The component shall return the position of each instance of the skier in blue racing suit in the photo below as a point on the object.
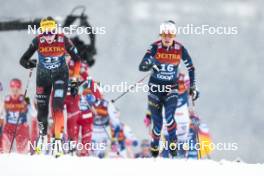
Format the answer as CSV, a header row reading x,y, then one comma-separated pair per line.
x,y
164,57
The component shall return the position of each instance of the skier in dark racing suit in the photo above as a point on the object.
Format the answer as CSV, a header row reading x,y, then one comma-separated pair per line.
x,y
52,78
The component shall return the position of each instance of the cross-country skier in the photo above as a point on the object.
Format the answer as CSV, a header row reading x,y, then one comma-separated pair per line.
x,y
89,95
106,116
181,116
123,140
52,73
72,101
164,57
16,108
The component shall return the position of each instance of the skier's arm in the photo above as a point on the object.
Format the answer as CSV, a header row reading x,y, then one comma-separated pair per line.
x,y
72,50
189,65
148,59
25,59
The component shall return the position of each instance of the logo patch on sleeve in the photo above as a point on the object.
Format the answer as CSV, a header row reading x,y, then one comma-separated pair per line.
x,y
58,93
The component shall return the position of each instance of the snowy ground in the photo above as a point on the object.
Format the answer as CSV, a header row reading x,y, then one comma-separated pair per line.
x,y
20,165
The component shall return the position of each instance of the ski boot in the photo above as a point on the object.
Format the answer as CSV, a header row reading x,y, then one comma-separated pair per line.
x,y
57,150
154,149
173,147
42,144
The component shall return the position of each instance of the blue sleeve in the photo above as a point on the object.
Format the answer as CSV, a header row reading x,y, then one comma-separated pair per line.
x,y
148,59
189,65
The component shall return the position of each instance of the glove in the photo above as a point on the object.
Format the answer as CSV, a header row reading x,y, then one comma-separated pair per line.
x,y
29,64
74,87
90,98
27,100
147,120
146,65
194,93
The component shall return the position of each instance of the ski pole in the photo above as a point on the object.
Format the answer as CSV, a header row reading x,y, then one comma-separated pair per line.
x,y
132,87
25,94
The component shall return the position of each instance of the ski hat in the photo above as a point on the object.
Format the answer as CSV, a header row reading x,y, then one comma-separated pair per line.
x,y
48,24
168,27
15,83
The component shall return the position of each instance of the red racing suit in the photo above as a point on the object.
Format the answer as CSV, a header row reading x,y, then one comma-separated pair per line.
x,y
15,108
80,116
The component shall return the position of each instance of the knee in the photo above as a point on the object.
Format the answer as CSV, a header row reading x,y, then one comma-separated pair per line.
x,y
58,99
58,104
154,107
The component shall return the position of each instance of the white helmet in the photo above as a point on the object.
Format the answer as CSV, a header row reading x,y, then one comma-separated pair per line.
x,y
168,27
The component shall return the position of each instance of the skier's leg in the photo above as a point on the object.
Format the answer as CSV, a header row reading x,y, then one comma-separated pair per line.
x,y
73,113
43,91
8,133
170,107
99,137
33,134
87,125
22,138
60,86
155,107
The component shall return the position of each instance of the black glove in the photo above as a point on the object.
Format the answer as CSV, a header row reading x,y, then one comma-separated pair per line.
x,y
29,64
27,100
74,89
146,65
194,93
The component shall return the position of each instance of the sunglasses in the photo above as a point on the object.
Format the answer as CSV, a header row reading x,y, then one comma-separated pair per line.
x,y
163,35
49,33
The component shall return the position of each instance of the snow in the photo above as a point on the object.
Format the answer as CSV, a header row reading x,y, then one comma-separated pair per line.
x,y
20,165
